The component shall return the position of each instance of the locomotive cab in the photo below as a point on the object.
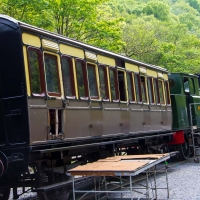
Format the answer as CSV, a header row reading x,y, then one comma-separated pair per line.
x,y
185,98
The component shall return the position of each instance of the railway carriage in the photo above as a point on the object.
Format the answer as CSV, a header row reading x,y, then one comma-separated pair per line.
x,y
65,103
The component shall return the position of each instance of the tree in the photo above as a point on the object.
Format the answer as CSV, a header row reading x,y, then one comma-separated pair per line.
x,y
88,21
158,9
34,12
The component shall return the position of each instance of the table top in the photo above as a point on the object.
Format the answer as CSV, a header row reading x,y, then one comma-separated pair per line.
x,y
120,165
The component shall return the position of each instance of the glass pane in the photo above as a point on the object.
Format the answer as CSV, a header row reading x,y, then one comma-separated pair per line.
x,y
67,77
34,72
103,82
92,80
167,92
160,87
143,89
51,73
130,89
80,79
191,83
122,88
150,91
137,90
156,90
112,85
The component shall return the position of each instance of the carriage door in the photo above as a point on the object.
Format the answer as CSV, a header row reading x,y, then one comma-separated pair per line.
x,y
125,114
145,102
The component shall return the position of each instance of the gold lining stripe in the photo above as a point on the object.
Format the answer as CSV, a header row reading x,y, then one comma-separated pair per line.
x,y
31,40
151,73
106,60
75,78
165,76
131,67
108,78
73,51
27,72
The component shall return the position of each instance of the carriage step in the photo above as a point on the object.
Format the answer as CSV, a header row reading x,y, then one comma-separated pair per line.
x,y
53,186
59,185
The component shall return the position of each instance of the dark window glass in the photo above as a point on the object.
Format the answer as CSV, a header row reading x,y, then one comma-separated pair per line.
x,y
171,83
92,81
161,93
113,88
155,82
137,88
143,89
52,77
81,79
36,71
150,91
103,82
122,86
131,95
68,80
192,90
167,92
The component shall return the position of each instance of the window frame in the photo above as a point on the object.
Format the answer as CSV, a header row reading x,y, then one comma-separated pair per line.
x,y
96,79
116,84
56,94
41,71
104,67
131,75
156,91
137,76
71,76
167,93
85,79
152,91
163,92
145,87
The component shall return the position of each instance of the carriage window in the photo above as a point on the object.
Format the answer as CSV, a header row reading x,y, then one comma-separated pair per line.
x,y
52,77
137,88
113,85
150,90
188,85
155,82
167,92
103,82
131,95
81,79
122,87
36,72
161,92
143,89
68,78
92,78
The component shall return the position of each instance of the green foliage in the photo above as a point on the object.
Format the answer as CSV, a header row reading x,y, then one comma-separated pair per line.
x,y
159,32
158,9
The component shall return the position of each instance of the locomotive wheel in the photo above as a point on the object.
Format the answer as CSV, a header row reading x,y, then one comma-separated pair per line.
x,y
4,193
184,149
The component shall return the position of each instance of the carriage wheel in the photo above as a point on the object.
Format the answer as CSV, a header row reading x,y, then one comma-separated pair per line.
x,y
184,149
4,193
